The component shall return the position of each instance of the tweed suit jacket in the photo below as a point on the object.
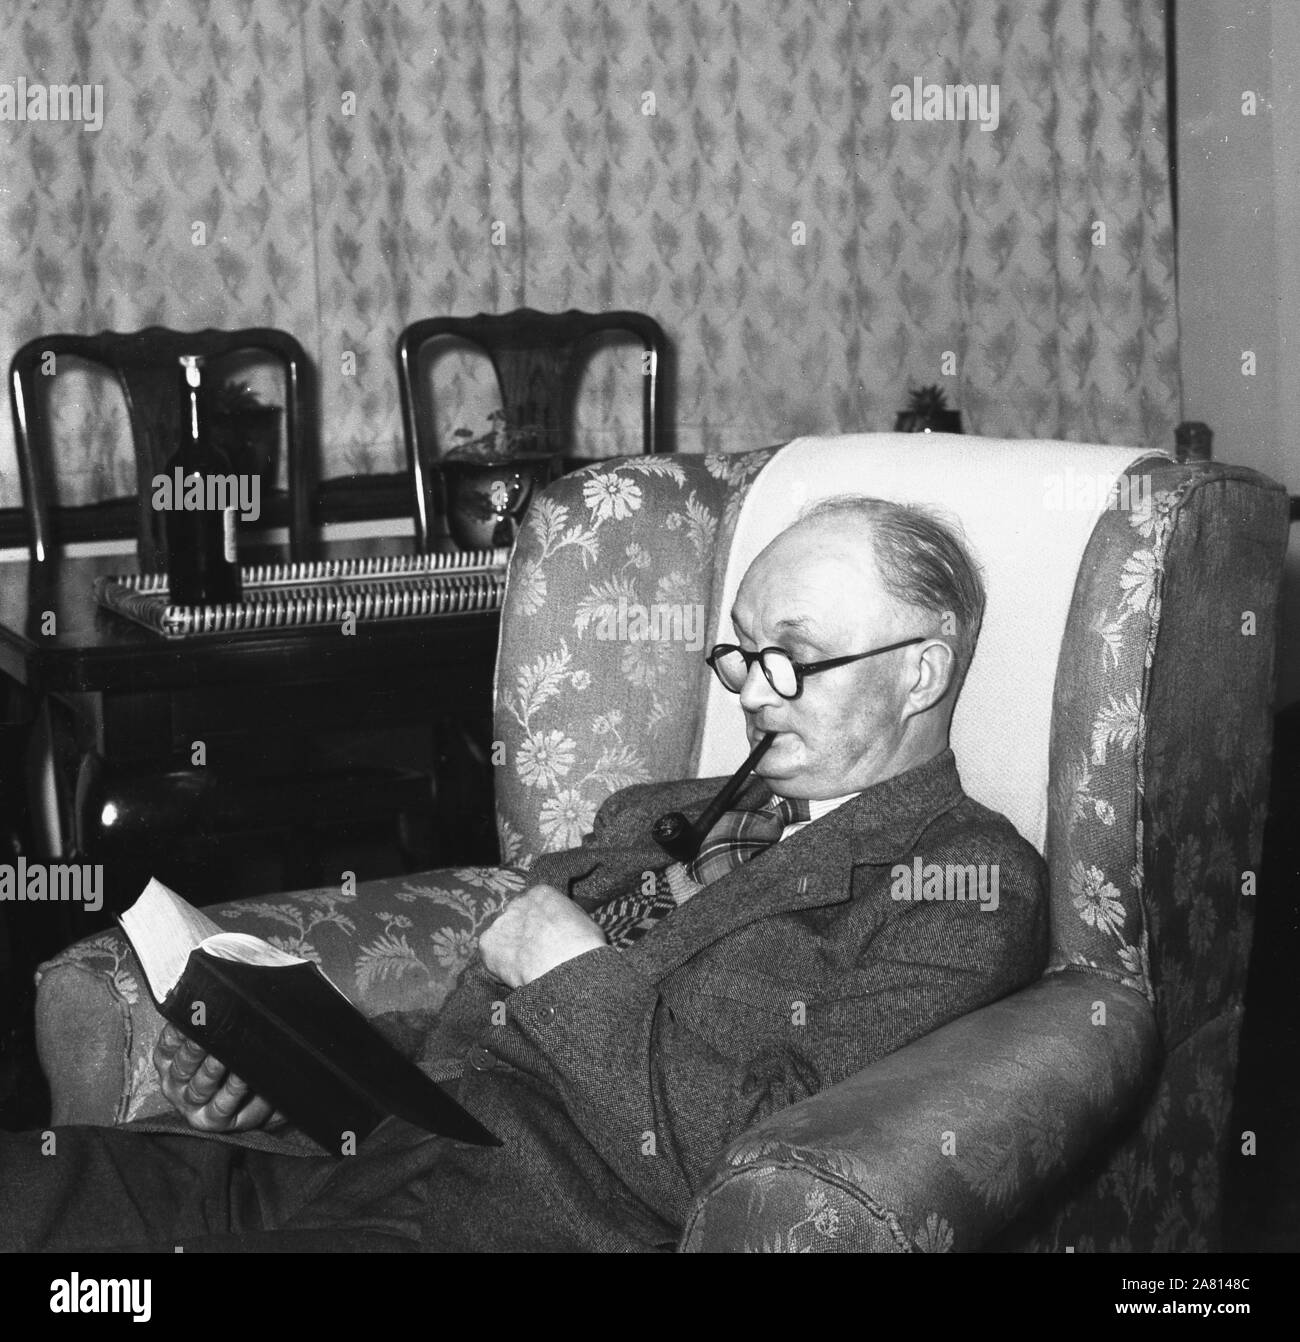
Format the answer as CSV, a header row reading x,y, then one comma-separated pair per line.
x,y
617,1078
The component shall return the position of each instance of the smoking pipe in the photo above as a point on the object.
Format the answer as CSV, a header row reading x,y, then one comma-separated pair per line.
x,y
682,840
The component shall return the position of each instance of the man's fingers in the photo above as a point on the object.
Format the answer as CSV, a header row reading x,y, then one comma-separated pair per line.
x,y
176,1058
234,1108
228,1100
226,1107
205,1091
188,1059
257,1113
210,1097
203,1082
169,1041
173,1044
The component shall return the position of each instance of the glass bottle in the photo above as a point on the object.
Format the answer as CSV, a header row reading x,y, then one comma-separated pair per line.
x,y
202,555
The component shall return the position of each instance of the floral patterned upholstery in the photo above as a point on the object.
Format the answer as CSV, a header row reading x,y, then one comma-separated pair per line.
x,y
1089,1111
583,713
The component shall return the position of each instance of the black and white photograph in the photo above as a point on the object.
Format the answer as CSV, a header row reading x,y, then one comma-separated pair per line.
x,y
650,626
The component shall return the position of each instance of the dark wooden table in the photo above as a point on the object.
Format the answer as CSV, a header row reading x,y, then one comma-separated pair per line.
x,y
139,699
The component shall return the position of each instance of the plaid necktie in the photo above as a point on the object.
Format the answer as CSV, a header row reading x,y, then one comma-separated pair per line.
x,y
738,837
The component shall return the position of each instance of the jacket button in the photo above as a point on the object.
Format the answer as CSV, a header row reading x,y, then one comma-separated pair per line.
x,y
480,1059
546,1014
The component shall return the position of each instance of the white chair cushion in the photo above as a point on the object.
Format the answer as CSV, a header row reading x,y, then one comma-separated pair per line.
x,y
1027,509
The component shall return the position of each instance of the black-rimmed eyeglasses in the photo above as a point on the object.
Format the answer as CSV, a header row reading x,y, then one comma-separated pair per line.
x,y
731,665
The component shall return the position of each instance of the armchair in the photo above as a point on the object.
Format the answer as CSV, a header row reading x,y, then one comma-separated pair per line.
x,y
1117,711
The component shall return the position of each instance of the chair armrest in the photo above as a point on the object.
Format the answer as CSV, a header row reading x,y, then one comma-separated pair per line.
x,y
393,946
938,1146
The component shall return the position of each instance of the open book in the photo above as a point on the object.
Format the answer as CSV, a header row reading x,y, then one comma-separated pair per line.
x,y
277,1022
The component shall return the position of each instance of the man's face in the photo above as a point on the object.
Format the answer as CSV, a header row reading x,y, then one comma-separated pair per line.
x,y
816,593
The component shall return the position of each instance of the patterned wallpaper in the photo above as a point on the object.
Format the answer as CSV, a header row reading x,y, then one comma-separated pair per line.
x,y
747,171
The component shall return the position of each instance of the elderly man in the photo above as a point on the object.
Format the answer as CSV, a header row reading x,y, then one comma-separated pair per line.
x,y
630,1016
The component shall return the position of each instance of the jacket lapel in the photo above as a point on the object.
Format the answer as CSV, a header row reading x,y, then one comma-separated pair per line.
x,y
811,869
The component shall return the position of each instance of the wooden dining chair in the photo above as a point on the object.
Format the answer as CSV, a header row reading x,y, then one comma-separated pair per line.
x,y
538,359
144,366
100,809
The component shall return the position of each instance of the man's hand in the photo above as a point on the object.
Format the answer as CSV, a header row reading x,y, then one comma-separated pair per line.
x,y
204,1090
539,930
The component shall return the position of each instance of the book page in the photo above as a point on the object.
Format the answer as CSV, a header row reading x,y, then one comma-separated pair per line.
x,y
163,929
248,950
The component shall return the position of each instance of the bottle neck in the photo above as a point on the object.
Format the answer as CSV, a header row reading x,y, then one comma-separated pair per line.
x,y
193,438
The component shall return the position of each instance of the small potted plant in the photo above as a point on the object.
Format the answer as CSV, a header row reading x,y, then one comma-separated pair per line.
x,y
247,430
489,480
927,412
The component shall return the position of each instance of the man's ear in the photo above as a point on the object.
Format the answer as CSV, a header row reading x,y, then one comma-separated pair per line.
x,y
936,668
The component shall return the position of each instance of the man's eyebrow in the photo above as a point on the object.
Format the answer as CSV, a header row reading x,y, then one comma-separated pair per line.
x,y
801,631
802,625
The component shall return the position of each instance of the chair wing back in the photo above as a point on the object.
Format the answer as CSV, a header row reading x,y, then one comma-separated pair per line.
x,y
1161,739
601,674
144,364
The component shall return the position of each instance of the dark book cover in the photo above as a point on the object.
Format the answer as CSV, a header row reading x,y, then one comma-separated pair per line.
x,y
284,1028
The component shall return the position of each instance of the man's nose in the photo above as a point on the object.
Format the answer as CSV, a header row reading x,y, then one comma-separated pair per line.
x,y
757,692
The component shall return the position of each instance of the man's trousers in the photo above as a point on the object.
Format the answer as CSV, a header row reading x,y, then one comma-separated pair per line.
x,y
98,1188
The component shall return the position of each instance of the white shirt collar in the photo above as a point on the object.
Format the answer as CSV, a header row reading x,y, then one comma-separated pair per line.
x,y
825,805
817,809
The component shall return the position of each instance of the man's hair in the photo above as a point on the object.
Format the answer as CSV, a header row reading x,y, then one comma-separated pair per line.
x,y
922,563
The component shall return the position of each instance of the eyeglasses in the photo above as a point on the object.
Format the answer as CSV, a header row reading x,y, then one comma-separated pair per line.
x,y
786,676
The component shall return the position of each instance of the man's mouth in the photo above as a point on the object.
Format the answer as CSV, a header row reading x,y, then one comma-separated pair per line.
x,y
756,731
